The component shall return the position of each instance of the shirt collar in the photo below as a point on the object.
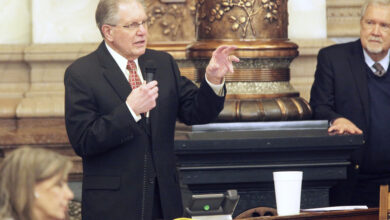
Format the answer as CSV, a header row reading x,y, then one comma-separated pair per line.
x,y
384,62
119,59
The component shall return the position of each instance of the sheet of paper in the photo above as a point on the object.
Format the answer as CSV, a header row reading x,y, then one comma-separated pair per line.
x,y
335,208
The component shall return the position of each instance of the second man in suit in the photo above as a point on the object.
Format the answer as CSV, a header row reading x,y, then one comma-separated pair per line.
x,y
352,90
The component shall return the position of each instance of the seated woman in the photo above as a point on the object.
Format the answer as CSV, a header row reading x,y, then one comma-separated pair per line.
x,y
33,185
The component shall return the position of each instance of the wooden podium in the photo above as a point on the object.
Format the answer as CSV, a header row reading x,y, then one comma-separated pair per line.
x,y
242,156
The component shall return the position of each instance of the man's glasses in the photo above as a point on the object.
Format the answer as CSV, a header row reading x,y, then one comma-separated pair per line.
x,y
133,26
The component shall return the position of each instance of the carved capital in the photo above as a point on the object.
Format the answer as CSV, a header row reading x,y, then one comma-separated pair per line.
x,y
171,20
241,19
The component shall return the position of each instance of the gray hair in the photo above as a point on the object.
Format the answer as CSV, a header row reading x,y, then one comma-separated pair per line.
x,y
107,12
373,2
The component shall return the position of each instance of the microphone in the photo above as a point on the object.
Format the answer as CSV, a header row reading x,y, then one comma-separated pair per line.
x,y
150,70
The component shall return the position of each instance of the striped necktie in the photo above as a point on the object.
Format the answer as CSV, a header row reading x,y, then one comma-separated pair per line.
x,y
380,71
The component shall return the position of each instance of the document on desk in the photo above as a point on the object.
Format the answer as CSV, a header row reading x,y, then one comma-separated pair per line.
x,y
335,208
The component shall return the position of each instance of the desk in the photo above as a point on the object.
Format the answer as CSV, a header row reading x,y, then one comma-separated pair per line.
x,y
364,214
218,159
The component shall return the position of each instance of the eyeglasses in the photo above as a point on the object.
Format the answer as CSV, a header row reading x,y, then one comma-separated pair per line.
x,y
133,26
370,24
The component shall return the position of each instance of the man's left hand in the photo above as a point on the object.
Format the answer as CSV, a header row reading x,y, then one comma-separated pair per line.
x,y
221,64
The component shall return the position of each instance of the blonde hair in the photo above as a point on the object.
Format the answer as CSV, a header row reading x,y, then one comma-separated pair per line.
x,y
107,12
372,2
20,171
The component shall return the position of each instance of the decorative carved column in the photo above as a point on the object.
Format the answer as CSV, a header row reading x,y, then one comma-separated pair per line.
x,y
259,90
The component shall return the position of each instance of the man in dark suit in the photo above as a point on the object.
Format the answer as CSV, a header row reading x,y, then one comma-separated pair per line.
x,y
352,90
128,160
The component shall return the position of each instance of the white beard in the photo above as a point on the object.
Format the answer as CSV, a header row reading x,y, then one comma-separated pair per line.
x,y
375,49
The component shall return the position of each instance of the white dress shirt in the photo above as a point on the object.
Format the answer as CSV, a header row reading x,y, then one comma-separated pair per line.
x,y
122,63
384,62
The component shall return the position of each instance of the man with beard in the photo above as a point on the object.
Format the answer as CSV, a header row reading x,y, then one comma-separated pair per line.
x,y
352,91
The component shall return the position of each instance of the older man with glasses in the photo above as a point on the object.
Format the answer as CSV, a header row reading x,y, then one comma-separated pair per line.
x,y
123,127
352,90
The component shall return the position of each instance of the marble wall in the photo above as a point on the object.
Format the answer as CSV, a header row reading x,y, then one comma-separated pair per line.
x,y
15,25
48,21
300,27
70,21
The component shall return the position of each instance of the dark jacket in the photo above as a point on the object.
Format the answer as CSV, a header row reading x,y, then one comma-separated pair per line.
x,y
112,145
340,89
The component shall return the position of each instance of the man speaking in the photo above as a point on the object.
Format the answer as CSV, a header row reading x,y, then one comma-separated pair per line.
x,y
128,164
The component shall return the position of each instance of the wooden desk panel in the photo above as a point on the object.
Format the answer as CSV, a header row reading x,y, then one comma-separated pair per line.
x,y
366,214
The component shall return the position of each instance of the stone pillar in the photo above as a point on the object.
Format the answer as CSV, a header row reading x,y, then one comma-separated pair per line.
x,y
307,28
259,90
14,72
61,31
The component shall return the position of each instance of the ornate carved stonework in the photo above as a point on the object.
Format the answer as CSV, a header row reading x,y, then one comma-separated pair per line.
x,y
241,19
171,20
259,86
266,109
272,9
343,18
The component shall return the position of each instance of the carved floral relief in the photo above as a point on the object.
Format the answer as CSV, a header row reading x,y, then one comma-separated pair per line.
x,y
171,20
242,21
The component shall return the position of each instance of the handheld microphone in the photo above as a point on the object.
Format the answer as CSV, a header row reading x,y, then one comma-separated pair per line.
x,y
150,70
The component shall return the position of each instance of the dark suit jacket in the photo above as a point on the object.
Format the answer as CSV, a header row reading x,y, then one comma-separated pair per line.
x,y
112,145
340,89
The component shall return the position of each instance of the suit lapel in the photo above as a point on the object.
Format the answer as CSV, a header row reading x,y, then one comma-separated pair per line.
x,y
113,73
359,73
119,83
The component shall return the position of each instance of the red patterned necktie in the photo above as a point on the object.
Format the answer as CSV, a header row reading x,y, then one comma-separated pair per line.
x,y
134,79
